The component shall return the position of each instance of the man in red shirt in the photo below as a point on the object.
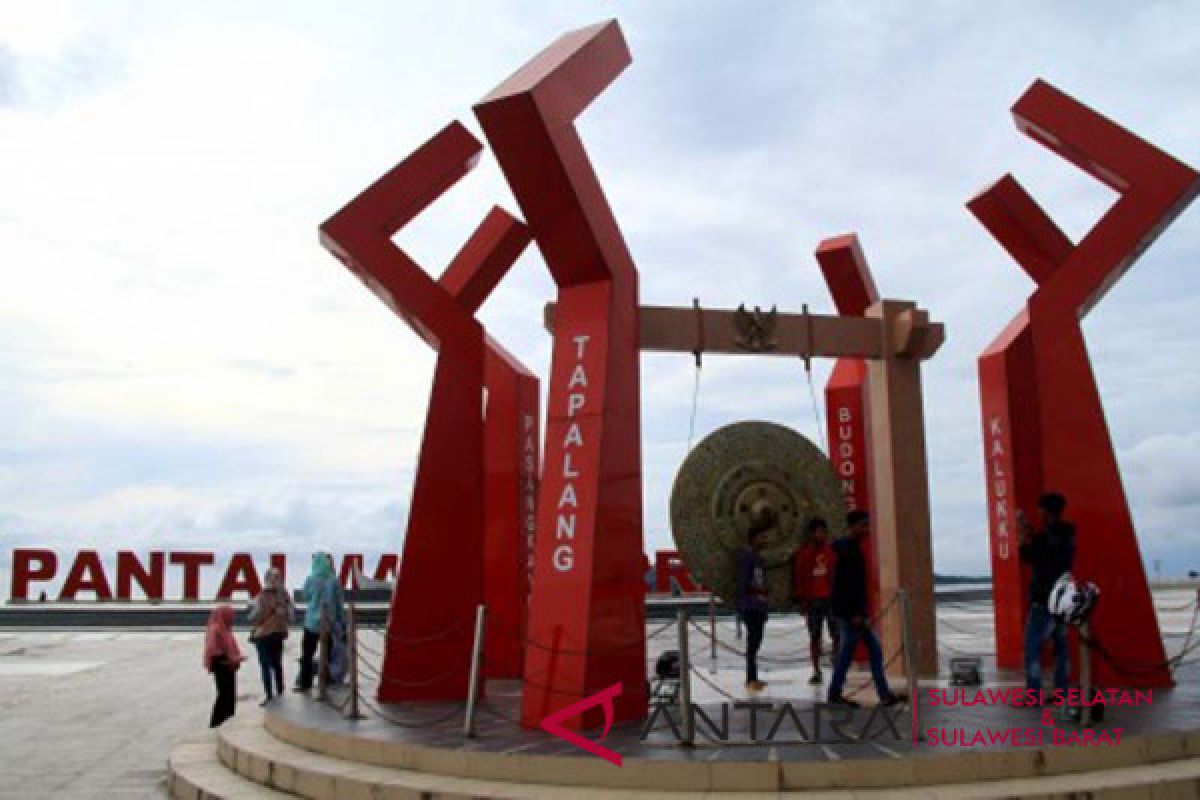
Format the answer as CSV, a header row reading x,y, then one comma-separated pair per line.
x,y
812,584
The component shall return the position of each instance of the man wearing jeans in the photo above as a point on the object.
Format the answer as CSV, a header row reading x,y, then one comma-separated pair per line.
x,y
752,596
849,601
1050,552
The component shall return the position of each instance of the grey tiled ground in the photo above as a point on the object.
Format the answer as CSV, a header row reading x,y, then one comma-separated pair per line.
x,y
94,714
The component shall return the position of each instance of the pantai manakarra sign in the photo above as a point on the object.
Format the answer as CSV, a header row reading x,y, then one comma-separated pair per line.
x,y
33,569
85,576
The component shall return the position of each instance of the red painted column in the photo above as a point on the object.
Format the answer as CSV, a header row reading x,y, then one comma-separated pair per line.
x,y
440,581
1044,426
587,616
849,279
510,494
1012,474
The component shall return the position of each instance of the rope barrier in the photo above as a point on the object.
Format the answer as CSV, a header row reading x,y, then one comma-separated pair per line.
x,y
1131,669
956,628
393,681
633,644
488,708
1186,607
711,685
423,723
872,621
445,634
942,646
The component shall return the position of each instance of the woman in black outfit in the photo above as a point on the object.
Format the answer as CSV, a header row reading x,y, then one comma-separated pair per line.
x,y
222,657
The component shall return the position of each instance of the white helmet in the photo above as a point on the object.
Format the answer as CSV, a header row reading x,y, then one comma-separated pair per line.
x,y
1070,601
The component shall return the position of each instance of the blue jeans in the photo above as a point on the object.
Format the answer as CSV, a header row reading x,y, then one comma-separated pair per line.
x,y
270,662
849,639
1039,626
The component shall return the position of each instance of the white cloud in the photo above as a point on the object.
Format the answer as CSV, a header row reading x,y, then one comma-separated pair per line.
x,y
178,353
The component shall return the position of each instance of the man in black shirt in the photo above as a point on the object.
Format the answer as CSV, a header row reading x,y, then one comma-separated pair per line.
x,y
848,601
1050,552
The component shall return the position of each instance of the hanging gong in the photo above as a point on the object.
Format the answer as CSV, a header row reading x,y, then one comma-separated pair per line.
x,y
742,473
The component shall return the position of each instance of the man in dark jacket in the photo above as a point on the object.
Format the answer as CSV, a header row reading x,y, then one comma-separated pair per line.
x,y
849,602
751,596
1050,552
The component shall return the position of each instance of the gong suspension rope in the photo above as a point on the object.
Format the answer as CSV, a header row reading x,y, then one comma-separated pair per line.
x,y
812,390
698,354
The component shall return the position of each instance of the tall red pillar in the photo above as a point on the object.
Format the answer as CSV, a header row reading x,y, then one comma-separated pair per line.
x,y
511,456
441,576
852,286
587,616
1044,426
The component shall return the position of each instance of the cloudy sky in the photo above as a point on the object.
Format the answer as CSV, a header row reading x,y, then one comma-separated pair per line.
x,y
182,366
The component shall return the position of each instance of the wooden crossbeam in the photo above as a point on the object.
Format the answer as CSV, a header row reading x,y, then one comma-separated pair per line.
x,y
668,329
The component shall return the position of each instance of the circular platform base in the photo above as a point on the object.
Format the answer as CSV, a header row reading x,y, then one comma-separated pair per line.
x,y
504,752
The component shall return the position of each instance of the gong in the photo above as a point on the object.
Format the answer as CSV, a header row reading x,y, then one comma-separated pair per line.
x,y
744,473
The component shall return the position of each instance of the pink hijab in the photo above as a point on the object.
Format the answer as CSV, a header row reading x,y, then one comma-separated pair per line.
x,y
219,638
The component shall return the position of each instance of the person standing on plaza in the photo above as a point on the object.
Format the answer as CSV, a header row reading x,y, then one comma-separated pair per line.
x,y
848,600
319,594
1050,552
751,596
222,657
271,614
812,583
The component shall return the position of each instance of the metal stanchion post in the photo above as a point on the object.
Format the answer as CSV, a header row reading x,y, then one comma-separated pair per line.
x,y
1085,671
323,658
476,676
712,631
910,659
352,636
685,681
737,621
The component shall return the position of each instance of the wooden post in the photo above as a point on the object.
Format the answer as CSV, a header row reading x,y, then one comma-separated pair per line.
x,y
900,494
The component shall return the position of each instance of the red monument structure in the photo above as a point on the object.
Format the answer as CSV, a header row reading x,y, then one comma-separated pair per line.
x,y
456,491
587,611
582,630
852,286
1043,423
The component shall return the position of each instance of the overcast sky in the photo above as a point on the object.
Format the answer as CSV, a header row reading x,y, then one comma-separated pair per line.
x,y
182,365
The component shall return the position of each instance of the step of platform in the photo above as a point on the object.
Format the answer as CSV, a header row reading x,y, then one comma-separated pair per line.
x,y
255,755
195,773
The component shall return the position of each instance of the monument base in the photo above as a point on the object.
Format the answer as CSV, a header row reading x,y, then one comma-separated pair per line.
x,y
309,749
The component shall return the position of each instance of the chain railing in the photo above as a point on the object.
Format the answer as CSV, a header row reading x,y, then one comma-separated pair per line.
x,y
367,645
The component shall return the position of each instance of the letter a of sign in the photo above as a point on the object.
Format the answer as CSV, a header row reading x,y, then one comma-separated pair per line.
x,y
553,723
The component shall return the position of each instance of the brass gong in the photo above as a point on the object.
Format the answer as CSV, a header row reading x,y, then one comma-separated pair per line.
x,y
744,472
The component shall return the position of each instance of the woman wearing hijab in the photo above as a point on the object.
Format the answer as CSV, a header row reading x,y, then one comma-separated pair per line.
x,y
319,588
222,657
271,614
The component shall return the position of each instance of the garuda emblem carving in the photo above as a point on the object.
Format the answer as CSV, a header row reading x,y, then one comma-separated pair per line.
x,y
755,329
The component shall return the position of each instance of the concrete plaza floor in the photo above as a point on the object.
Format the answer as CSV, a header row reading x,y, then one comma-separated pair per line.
x,y
93,714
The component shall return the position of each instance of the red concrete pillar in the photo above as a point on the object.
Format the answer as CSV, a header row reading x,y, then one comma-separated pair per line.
x,y
1012,473
511,458
852,286
587,616
440,581
1037,380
